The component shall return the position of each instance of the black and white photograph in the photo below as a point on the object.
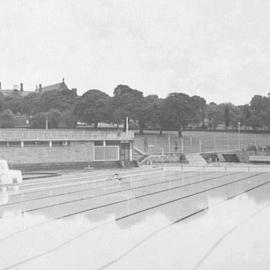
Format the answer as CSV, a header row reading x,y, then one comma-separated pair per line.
x,y
134,134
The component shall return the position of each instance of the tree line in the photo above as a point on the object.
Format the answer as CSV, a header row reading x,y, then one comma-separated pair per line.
x,y
175,112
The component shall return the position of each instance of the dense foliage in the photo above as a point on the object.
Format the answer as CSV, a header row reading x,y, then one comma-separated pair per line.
x,y
175,112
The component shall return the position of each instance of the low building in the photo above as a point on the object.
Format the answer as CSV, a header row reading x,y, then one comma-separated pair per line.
x,y
16,90
54,87
59,148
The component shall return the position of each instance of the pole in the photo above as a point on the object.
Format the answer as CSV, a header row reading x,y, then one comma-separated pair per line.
x,y
182,144
200,146
169,143
239,136
127,125
46,123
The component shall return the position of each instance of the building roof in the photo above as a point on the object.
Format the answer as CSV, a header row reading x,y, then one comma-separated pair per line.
x,y
57,86
17,134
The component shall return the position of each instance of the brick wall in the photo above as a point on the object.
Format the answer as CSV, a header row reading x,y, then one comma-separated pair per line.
x,y
75,152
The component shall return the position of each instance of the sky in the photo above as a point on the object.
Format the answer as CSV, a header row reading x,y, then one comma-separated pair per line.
x,y
216,49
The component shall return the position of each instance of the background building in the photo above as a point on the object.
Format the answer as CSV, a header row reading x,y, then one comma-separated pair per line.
x,y
52,148
16,90
54,87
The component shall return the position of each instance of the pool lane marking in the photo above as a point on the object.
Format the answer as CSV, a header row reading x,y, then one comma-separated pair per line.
x,y
79,212
135,246
89,189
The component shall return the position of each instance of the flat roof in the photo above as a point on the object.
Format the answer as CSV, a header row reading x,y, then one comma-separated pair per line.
x,y
63,135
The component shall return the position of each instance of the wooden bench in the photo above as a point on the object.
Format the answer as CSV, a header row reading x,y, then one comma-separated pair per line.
x,y
259,159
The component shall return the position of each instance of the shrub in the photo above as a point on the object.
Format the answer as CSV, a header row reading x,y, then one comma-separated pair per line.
x,y
7,119
52,117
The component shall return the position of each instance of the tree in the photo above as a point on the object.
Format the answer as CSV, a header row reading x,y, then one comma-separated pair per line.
x,y
178,108
60,100
260,109
130,103
53,119
69,119
119,115
160,115
254,122
144,112
199,107
2,103
38,120
214,114
31,104
7,119
92,107
246,114
14,103
227,117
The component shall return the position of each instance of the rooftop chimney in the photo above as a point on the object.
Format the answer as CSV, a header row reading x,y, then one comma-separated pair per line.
x,y
21,86
40,87
63,80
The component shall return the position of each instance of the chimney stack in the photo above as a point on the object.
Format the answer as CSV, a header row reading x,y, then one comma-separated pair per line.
x,y
21,86
40,87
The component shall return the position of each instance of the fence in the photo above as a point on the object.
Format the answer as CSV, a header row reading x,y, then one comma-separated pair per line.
x,y
195,142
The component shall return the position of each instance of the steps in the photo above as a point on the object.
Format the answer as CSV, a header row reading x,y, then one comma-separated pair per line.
x,y
140,156
196,159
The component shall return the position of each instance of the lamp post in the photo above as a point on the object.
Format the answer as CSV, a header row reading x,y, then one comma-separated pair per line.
x,y
239,135
46,123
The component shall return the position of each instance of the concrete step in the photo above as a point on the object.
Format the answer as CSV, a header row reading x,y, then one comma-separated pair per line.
x,y
196,159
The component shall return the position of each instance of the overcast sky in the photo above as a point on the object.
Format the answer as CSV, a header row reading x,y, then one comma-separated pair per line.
x,y
218,49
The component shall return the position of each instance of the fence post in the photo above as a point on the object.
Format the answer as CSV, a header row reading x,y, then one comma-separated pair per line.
x,y
169,143
182,144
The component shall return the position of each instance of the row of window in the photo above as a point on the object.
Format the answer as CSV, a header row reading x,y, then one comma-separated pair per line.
x,y
107,143
53,143
34,143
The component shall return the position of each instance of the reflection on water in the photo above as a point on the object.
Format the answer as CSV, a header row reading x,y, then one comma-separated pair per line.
x,y
5,191
3,196
142,241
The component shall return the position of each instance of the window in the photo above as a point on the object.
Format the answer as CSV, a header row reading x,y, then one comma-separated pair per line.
x,y
106,153
112,143
14,144
10,144
98,143
60,143
36,143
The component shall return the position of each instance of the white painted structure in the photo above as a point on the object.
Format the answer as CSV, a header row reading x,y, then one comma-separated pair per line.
x,y
7,176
